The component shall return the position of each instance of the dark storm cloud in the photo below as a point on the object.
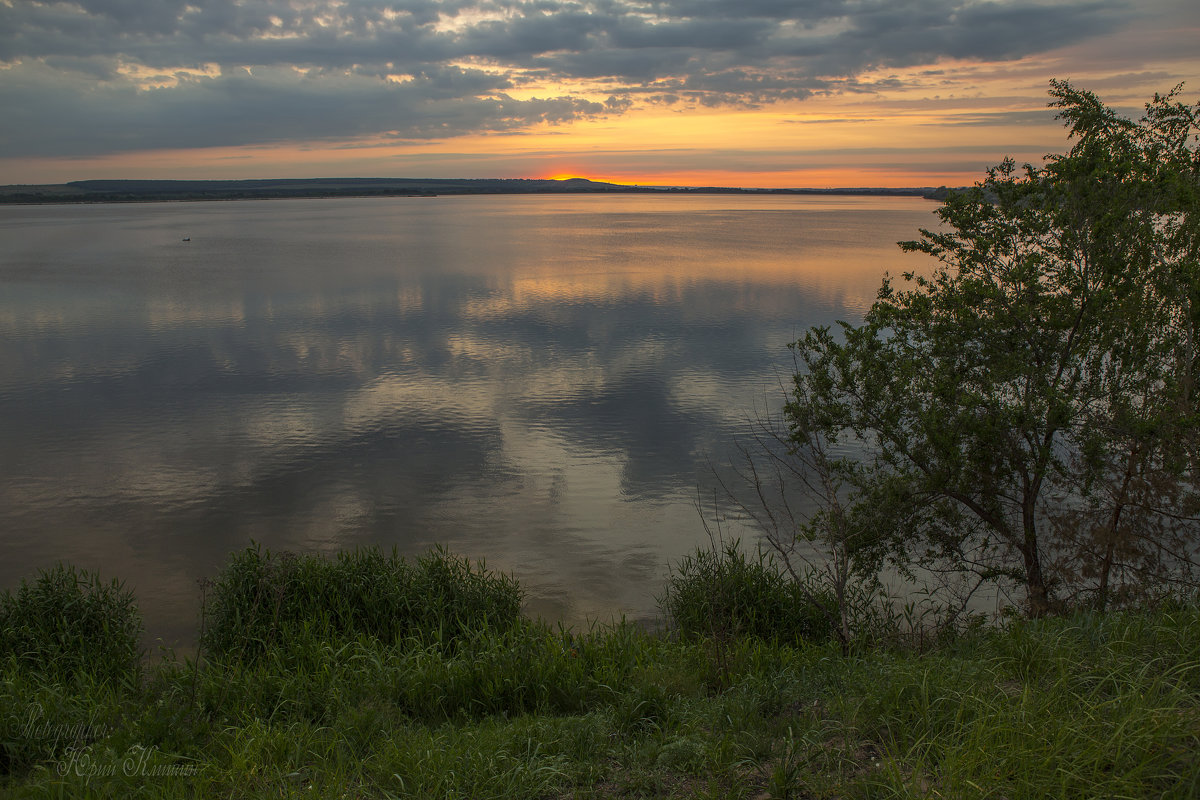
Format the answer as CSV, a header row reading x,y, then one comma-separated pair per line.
x,y
75,77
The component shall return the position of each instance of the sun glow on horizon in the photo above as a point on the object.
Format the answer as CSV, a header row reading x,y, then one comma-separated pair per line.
x,y
593,177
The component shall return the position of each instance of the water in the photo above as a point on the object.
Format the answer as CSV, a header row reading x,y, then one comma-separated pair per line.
x,y
540,381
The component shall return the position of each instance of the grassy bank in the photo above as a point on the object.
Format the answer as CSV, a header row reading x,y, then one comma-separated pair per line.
x,y
367,676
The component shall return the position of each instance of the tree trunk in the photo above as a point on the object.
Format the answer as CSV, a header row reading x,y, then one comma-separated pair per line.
x,y
1114,522
1035,582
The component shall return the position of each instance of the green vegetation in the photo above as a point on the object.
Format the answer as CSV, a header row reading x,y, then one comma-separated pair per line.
x,y
262,599
725,594
497,706
68,623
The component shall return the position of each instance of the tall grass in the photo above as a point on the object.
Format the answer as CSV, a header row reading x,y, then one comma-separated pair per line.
x,y
69,650
526,668
723,592
261,599
491,705
1089,706
68,622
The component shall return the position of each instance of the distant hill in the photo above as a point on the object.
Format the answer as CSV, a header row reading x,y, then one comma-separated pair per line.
x,y
116,191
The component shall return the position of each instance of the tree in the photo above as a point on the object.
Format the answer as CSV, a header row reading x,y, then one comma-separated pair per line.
x,y
1028,410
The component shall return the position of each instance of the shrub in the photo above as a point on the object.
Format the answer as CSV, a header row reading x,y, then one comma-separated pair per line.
x,y
723,593
68,622
261,597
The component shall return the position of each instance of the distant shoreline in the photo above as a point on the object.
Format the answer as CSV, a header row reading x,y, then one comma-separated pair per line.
x,y
144,191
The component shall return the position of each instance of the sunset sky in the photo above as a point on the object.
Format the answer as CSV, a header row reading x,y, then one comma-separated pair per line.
x,y
766,93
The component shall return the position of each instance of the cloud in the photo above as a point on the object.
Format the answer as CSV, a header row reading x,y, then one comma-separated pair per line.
x,y
85,77
51,116
1021,119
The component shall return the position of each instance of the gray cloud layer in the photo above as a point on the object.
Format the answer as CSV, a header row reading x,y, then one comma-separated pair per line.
x,y
317,69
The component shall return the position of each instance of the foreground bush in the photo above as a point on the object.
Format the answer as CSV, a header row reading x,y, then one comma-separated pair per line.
x,y
724,593
68,622
261,599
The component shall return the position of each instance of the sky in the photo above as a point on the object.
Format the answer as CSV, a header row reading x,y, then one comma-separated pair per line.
x,y
754,93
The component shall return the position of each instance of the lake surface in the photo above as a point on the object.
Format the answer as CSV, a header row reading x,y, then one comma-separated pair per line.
x,y
543,382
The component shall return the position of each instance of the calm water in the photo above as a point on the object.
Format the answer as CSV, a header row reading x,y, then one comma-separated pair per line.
x,y
538,381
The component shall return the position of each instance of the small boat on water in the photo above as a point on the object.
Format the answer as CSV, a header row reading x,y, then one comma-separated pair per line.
x,y
187,238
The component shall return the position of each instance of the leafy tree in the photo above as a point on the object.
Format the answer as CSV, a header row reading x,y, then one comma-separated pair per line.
x,y
1028,410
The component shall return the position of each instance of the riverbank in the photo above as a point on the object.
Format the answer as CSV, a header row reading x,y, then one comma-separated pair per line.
x,y
367,676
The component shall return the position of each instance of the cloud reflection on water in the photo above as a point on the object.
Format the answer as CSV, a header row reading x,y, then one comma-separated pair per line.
x,y
537,381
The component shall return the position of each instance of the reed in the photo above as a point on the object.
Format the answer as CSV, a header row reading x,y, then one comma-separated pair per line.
x,y
261,599
67,622
724,592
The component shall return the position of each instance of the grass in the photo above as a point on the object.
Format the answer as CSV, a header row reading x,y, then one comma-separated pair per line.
x,y
370,692
69,623
262,599
726,593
